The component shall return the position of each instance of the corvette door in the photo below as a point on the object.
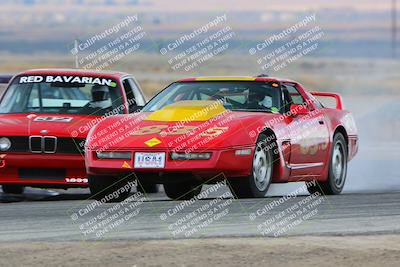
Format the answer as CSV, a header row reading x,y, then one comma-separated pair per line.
x,y
309,138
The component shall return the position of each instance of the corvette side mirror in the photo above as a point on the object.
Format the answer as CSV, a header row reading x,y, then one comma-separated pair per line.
x,y
298,110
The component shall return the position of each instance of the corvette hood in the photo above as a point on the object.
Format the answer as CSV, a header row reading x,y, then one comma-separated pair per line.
x,y
184,125
46,124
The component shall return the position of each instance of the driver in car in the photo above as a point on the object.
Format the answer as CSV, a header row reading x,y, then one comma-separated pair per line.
x,y
100,99
259,100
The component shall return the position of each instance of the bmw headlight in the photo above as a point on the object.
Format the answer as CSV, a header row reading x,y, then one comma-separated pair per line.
x,y
114,155
5,144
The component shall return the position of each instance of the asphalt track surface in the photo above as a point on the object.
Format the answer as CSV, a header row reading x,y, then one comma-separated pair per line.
x,y
49,216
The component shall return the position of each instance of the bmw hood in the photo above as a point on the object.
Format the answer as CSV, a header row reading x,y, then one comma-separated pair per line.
x,y
46,124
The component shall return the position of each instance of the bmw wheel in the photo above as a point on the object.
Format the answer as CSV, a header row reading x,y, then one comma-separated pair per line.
x,y
13,189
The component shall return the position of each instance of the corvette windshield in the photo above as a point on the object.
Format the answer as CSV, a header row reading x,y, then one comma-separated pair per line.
x,y
61,95
236,96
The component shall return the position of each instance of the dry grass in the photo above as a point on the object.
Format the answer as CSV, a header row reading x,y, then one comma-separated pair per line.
x,y
348,76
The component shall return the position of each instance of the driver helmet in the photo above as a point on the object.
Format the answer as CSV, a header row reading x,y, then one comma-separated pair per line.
x,y
100,97
259,98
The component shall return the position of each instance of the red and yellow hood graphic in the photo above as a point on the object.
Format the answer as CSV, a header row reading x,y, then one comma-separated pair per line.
x,y
189,110
195,125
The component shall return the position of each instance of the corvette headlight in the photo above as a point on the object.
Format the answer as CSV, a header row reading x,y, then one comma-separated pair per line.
x,y
114,155
190,156
5,144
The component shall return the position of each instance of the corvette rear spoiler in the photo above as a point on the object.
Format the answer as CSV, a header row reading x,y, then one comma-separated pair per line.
x,y
337,97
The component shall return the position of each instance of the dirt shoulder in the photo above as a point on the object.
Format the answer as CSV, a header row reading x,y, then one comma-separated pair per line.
x,y
378,250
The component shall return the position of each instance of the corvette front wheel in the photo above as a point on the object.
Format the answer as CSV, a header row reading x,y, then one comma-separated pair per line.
x,y
110,189
337,169
147,187
257,184
182,190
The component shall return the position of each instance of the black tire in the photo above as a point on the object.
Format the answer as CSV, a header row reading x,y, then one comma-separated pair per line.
x,y
13,189
337,171
147,187
257,184
182,190
102,188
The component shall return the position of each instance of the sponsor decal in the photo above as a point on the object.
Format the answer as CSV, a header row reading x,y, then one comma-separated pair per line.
x,y
67,79
274,110
152,142
307,148
126,165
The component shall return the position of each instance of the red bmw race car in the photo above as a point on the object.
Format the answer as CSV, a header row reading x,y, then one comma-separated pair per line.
x,y
250,131
45,116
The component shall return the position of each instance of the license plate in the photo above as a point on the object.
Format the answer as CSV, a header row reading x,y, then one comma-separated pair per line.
x,y
149,160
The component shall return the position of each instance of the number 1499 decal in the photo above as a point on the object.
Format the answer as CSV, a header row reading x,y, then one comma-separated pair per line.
x,y
76,180
162,130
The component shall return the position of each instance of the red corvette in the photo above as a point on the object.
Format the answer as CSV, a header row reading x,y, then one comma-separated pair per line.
x,y
250,131
45,116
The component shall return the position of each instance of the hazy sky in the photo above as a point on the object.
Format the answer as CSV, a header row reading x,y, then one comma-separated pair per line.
x,y
228,5
270,4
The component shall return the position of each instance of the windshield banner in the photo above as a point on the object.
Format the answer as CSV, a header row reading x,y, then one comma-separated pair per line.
x,y
67,79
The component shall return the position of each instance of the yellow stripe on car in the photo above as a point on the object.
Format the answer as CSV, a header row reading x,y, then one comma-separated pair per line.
x,y
227,78
189,110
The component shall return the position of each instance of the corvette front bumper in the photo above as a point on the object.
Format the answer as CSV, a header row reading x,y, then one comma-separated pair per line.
x,y
225,161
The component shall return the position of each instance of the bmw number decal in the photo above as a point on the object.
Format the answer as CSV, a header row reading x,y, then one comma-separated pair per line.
x,y
76,180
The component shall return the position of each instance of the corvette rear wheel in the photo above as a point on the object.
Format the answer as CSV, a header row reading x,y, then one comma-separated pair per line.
x,y
110,189
13,189
257,184
182,190
337,169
